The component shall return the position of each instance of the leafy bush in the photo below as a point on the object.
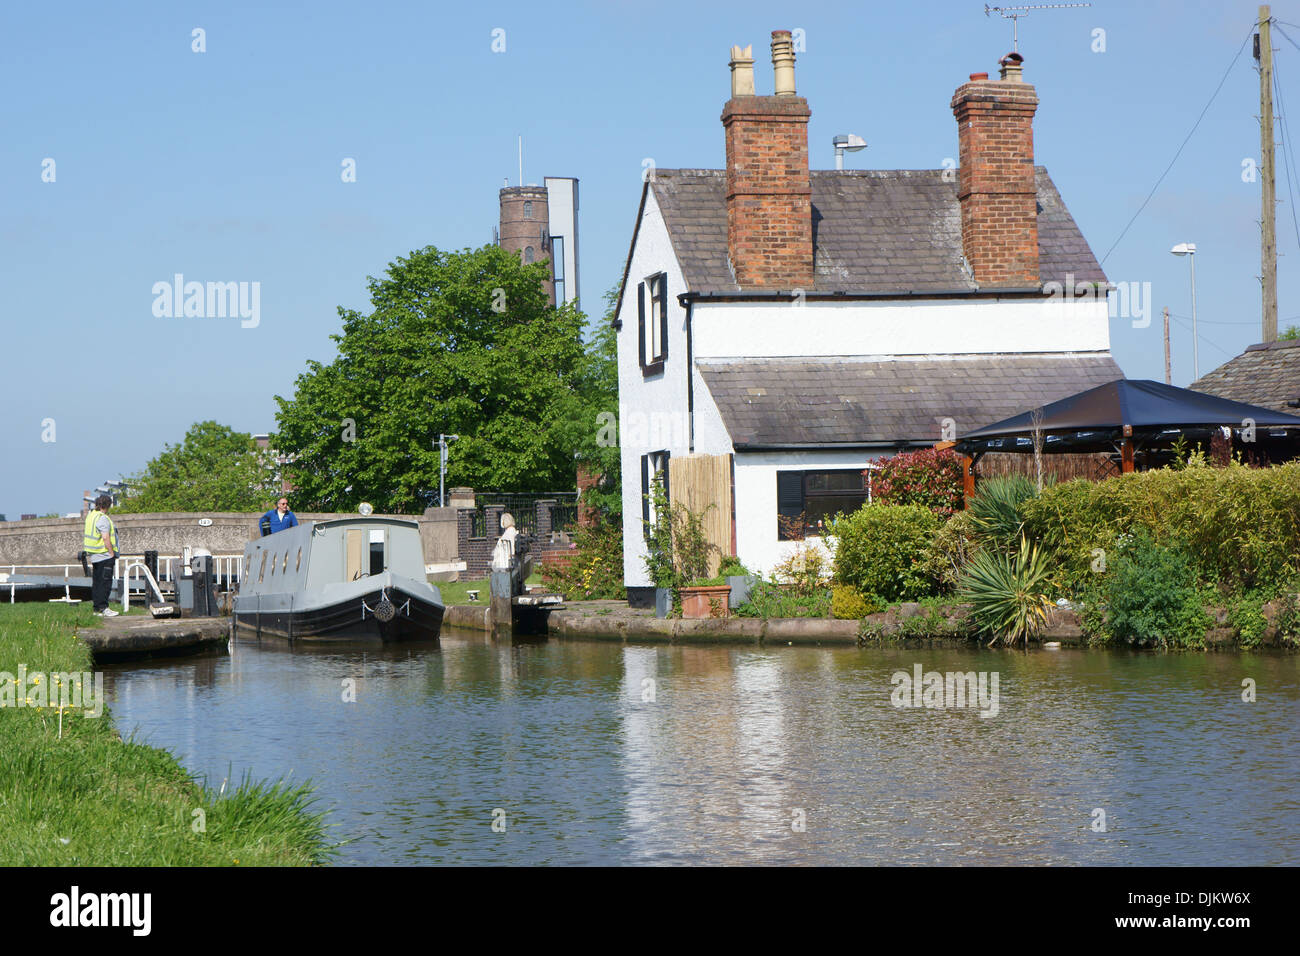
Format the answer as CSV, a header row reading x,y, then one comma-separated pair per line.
x,y
938,618
1239,526
768,599
598,572
1288,614
732,566
951,550
929,477
1008,593
880,549
806,566
1246,617
691,546
677,549
995,511
850,604
1151,596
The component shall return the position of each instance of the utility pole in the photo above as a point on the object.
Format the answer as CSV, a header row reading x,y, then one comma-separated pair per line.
x,y
1268,191
441,445
1169,377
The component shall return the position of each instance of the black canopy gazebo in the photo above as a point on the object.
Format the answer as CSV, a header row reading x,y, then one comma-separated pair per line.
x,y
1129,417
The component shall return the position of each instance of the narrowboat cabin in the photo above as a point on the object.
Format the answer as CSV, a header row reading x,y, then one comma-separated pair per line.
x,y
348,579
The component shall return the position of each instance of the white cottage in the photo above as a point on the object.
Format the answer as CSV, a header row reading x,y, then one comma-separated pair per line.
x,y
804,323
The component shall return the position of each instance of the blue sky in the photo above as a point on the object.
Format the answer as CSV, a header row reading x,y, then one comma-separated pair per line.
x,y
225,166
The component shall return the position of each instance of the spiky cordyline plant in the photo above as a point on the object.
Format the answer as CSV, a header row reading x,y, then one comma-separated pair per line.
x,y
995,510
1008,593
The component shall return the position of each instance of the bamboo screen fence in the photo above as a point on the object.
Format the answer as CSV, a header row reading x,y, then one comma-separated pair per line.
x,y
703,484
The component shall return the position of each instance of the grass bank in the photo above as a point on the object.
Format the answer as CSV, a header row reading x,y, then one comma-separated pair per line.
x,y
457,592
89,798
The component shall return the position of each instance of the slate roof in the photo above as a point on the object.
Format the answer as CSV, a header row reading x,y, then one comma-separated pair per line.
x,y
786,402
1265,375
882,230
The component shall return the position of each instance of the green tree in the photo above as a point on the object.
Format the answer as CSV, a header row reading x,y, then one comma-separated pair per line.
x,y
1291,334
598,434
456,342
214,468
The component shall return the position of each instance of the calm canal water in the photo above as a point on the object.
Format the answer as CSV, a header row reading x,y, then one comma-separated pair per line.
x,y
739,746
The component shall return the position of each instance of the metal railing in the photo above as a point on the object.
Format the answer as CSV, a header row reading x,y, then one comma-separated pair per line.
x,y
141,570
564,516
523,508
229,570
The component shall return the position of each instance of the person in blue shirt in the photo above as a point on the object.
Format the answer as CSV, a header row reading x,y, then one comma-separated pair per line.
x,y
278,518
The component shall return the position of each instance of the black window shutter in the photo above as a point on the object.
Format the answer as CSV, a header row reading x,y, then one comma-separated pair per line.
x,y
789,493
667,491
645,490
640,321
663,314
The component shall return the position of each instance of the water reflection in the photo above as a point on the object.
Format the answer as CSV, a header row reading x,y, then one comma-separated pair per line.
x,y
604,753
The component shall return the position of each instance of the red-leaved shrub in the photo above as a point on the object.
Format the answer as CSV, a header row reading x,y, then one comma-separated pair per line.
x,y
929,477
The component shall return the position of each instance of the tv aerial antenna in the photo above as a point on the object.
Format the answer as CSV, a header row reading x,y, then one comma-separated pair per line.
x,y
1015,13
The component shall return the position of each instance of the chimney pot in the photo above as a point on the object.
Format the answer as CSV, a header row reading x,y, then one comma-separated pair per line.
x,y
1013,70
742,71
978,76
783,62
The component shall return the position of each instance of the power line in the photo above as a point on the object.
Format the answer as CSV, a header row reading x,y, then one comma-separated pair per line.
x,y
1286,153
1203,338
1201,321
1276,21
1213,96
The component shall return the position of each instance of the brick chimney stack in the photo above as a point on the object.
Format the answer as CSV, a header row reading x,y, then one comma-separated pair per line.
x,y
995,180
769,193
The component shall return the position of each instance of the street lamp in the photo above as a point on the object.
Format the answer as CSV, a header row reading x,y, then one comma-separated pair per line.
x,y
1189,249
442,467
851,141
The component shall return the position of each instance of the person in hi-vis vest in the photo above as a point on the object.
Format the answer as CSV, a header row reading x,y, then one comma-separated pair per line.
x,y
99,540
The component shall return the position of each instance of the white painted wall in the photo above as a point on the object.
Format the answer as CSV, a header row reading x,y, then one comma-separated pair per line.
x,y
757,544
894,327
711,436
652,411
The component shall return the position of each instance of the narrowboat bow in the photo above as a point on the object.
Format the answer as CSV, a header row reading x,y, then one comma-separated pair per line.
x,y
348,579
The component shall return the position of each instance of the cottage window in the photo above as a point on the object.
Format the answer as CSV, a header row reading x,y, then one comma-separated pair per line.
x,y
528,209
652,321
654,467
528,254
806,501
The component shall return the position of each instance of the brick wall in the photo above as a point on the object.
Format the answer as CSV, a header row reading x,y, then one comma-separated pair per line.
x,y
477,552
769,193
996,185
557,555
586,480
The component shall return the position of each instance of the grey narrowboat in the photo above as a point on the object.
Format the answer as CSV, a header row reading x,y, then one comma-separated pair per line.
x,y
348,579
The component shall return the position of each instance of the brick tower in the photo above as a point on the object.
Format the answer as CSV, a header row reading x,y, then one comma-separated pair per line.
x,y
525,227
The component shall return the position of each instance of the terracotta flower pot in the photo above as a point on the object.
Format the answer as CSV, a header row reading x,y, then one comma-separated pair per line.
x,y
706,602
